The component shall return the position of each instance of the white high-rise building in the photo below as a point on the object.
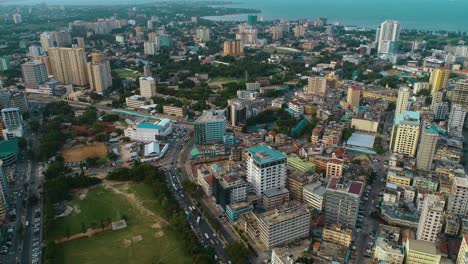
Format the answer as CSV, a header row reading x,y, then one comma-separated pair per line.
x,y
458,197
55,39
388,35
35,51
405,133
203,34
147,87
266,169
431,219
150,47
456,120
402,101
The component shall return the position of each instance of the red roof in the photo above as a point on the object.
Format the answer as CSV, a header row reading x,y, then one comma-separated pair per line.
x,y
355,187
316,245
209,180
332,183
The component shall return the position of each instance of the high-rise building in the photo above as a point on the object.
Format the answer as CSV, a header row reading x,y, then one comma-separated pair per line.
x,y
420,86
17,19
80,42
402,101
431,219
210,127
147,87
35,51
276,33
463,251
150,47
388,35
316,86
68,65
266,169
284,225
439,79
354,96
437,98
4,63
299,31
422,252
147,70
458,197
405,133
3,193
34,73
441,110
460,94
456,120
55,39
233,48
341,201
427,147
203,34
12,121
99,73
334,168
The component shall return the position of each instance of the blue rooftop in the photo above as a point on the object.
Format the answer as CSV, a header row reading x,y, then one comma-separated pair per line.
x,y
264,154
148,125
432,130
408,117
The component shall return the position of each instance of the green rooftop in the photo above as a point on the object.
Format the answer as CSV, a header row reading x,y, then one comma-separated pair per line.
x,y
300,164
264,154
432,130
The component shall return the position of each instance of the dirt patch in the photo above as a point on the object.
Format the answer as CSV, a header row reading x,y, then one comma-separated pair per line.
x,y
76,208
159,234
156,225
83,152
137,238
82,195
126,243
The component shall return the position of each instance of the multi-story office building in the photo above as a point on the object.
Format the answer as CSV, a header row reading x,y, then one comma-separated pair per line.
x,y
284,225
316,86
233,48
147,87
439,79
405,133
14,99
174,110
427,147
210,127
460,94
388,35
68,65
34,73
431,219
99,73
55,39
313,195
463,251
266,169
229,189
149,132
458,197
456,120
402,101
137,101
354,96
341,201
203,34
421,252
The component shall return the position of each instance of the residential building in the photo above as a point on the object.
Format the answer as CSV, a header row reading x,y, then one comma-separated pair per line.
x,y
137,101
460,93
247,94
35,51
405,133
284,225
353,97
316,86
388,35
313,194
4,63
149,132
174,110
229,189
427,147
34,73
80,42
402,101
274,198
233,48
150,48
55,39
341,201
296,181
99,73
421,252
266,169
364,125
203,34
252,86
299,31
431,219
17,19
334,168
439,79
337,234
68,65
13,122
458,197
463,251
417,87
210,127
147,87
456,120
440,111
276,33
387,245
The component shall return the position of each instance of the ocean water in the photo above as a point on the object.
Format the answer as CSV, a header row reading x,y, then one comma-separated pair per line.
x,y
414,14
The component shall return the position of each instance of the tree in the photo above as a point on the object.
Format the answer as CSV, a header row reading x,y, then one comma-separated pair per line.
x,y
237,252
423,92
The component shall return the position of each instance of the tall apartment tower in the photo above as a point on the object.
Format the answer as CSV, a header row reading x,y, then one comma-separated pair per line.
x,y
266,169
431,219
341,201
34,73
99,73
276,33
3,193
460,94
316,86
80,42
427,147
354,96
203,34
405,133
147,87
299,31
439,79
458,197
210,127
68,65
463,252
54,39
456,120
388,35
234,48
402,101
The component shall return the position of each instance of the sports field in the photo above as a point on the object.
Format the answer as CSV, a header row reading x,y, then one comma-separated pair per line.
x,y
83,152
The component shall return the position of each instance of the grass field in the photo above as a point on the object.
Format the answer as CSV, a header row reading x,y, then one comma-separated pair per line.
x,y
127,73
83,152
223,79
159,242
